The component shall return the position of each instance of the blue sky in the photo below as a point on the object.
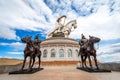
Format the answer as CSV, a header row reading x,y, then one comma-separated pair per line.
x,y
100,18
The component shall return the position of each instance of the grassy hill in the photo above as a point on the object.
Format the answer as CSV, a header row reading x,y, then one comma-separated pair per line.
x,y
7,61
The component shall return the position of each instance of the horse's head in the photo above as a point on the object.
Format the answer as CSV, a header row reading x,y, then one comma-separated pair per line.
x,y
94,39
74,24
26,39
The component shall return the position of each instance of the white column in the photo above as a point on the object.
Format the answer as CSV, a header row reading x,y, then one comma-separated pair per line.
x,y
49,53
57,53
74,53
66,55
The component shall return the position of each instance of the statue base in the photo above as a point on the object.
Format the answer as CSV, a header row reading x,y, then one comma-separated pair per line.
x,y
60,44
26,71
58,34
93,70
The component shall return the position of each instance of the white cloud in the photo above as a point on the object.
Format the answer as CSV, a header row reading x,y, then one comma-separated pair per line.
x,y
15,45
8,33
15,52
110,57
100,24
17,15
109,53
37,15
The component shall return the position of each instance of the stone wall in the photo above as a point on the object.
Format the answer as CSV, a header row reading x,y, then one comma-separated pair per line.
x,y
110,66
8,68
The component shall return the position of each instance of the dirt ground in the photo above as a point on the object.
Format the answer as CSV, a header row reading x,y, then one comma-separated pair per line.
x,y
62,73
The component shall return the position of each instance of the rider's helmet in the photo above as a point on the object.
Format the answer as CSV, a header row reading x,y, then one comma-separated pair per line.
x,y
83,37
37,37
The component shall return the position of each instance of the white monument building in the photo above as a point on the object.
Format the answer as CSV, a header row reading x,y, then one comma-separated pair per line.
x,y
58,46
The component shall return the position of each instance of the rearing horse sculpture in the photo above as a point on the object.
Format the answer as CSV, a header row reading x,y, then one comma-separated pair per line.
x,y
63,28
72,25
30,51
89,51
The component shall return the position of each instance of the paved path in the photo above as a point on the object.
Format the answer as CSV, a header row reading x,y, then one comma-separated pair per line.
x,y
62,73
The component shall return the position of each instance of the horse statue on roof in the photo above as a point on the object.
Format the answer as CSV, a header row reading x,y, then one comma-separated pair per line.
x,y
63,29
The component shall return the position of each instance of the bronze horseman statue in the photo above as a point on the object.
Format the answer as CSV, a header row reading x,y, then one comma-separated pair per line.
x,y
87,49
31,50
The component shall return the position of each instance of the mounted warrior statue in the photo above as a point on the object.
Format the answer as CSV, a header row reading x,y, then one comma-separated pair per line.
x,y
87,49
83,47
37,52
31,50
62,29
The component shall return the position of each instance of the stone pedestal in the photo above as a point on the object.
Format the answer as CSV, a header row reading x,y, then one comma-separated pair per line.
x,y
65,49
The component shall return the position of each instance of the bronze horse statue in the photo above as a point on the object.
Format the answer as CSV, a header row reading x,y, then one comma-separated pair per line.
x,y
30,51
89,51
